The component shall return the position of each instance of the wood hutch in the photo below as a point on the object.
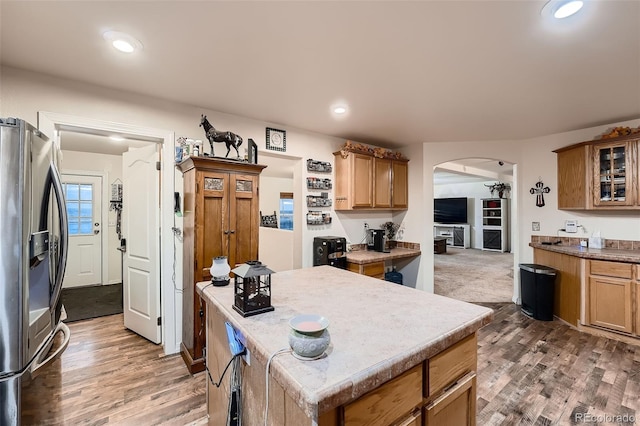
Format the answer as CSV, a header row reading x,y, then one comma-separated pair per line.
x,y
221,218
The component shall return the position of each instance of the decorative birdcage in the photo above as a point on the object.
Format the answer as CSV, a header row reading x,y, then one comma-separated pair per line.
x,y
252,288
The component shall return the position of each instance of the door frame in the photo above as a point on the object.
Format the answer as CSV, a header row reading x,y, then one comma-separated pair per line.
x,y
104,242
50,123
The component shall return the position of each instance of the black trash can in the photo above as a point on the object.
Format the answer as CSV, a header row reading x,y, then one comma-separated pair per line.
x,y
537,284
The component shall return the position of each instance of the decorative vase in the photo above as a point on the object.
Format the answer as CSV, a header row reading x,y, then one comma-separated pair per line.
x,y
500,194
220,271
309,345
309,337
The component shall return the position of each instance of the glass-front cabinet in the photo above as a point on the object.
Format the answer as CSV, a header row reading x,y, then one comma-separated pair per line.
x,y
613,175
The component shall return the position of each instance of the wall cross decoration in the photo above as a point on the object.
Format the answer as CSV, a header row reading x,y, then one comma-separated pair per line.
x,y
539,190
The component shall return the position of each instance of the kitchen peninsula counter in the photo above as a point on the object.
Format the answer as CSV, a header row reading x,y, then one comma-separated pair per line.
x,y
379,331
362,257
613,255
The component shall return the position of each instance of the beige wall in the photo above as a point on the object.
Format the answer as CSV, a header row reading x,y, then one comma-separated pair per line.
x,y
23,94
534,159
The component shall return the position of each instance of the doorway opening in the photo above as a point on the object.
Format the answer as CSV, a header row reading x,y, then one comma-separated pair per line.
x,y
54,125
281,193
474,254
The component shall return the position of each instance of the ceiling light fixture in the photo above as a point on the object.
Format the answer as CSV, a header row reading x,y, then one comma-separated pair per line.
x,y
122,41
340,109
561,9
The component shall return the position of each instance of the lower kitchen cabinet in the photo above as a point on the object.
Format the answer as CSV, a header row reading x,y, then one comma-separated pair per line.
x,y
391,401
440,391
611,304
455,407
375,270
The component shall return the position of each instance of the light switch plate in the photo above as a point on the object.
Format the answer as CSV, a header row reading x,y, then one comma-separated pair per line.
x,y
535,226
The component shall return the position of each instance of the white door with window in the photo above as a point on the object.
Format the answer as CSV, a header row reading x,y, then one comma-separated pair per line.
x,y
140,228
83,195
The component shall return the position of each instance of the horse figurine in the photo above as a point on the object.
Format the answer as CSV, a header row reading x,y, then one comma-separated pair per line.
x,y
213,135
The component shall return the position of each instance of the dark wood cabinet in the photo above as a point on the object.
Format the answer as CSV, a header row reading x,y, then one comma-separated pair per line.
x,y
221,218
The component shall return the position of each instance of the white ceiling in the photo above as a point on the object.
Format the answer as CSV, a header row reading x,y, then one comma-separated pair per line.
x,y
411,72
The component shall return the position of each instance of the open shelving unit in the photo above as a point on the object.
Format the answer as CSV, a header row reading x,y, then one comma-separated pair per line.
x,y
495,224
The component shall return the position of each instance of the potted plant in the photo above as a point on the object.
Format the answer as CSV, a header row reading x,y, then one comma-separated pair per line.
x,y
499,187
390,230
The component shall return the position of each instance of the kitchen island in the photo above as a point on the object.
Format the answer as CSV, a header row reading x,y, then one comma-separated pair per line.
x,y
396,355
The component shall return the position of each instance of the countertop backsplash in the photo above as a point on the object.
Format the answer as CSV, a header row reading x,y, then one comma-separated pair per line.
x,y
575,241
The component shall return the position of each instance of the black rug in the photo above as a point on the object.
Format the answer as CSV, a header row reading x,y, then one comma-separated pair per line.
x,y
92,301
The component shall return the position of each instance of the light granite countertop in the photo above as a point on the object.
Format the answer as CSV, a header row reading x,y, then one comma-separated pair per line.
x,y
614,255
378,330
362,257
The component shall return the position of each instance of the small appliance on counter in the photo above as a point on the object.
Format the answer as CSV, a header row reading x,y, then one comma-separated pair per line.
x,y
376,240
330,251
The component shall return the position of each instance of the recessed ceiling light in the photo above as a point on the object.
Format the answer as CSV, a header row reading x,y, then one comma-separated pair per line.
x,y
340,109
116,138
122,41
561,9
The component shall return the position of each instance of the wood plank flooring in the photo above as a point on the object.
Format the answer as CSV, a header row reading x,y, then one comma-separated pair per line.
x,y
110,375
547,373
529,373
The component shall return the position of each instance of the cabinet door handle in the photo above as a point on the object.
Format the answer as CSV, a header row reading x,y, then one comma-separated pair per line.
x,y
233,231
226,232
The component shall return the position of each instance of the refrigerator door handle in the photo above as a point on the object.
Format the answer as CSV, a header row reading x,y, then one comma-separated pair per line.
x,y
64,234
38,363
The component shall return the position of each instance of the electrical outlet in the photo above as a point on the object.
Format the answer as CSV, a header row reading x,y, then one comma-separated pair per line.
x,y
247,356
366,225
535,226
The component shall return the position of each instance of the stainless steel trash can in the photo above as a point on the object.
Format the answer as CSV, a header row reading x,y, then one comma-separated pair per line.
x,y
537,287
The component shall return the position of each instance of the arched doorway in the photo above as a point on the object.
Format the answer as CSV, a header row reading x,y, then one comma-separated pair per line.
x,y
473,225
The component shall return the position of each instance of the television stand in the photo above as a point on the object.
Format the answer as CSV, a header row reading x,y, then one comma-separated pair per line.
x,y
456,234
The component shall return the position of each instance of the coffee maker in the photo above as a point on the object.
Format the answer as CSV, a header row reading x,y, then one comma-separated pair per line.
x,y
376,240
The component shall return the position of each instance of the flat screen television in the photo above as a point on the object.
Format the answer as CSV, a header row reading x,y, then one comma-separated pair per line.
x,y
450,210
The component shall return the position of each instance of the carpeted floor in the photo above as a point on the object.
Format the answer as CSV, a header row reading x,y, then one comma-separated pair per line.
x,y
474,275
92,301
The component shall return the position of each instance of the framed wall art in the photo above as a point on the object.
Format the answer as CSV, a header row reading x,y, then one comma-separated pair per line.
x,y
276,139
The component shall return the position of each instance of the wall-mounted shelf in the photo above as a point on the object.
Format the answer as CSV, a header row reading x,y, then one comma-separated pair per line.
x,y
318,218
318,166
319,183
319,201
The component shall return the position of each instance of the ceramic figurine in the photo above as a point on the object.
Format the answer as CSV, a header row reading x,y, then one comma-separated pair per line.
x,y
213,135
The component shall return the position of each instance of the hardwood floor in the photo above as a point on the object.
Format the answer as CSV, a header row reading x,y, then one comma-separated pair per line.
x,y
110,375
547,373
529,373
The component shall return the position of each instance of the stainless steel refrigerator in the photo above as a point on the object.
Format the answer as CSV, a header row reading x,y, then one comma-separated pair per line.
x,y
33,254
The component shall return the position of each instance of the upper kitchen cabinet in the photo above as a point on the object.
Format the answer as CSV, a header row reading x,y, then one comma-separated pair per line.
x,y
599,175
370,180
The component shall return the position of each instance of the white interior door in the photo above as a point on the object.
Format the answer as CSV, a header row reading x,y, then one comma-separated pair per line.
x,y
83,195
140,228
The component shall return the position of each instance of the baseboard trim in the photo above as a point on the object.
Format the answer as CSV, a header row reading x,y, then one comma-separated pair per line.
x,y
609,334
